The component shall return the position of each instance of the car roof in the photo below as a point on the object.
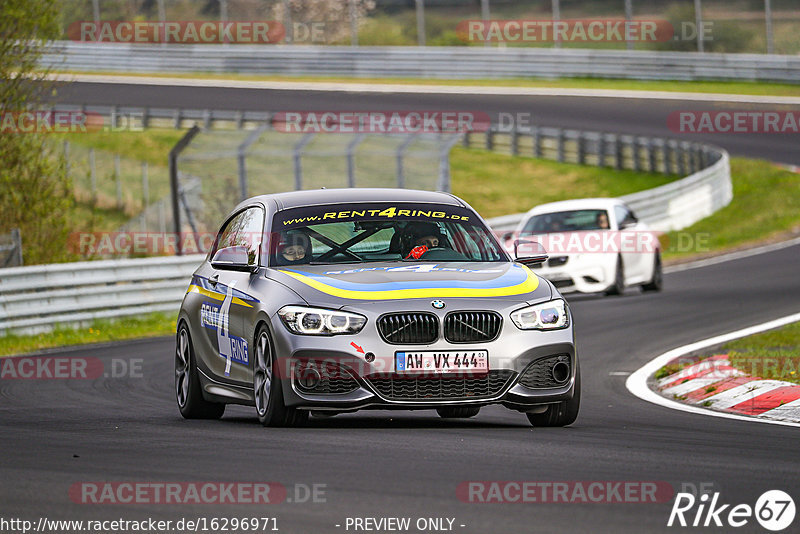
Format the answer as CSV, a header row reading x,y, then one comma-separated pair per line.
x,y
315,197
577,204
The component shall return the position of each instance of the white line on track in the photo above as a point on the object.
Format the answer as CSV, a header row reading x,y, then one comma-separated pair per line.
x,y
733,256
355,87
637,382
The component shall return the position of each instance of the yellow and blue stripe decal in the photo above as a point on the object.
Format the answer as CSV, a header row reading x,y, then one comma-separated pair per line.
x,y
201,286
517,280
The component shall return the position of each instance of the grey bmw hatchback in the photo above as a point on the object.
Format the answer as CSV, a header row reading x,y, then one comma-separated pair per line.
x,y
334,301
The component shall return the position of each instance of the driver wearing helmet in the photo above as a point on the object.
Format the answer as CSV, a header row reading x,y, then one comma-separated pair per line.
x,y
293,248
419,238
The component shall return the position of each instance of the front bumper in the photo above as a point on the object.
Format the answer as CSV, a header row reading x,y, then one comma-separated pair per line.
x,y
584,273
510,355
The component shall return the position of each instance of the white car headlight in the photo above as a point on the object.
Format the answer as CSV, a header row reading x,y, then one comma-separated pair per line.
x,y
320,322
545,316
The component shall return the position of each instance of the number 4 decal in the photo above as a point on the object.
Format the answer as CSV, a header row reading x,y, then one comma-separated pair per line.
x,y
223,331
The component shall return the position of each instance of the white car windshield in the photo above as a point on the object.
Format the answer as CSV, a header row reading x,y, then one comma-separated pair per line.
x,y
567,221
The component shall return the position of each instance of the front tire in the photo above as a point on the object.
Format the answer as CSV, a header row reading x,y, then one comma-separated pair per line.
x,y
188,393
618,287
563,413
657,282
267,388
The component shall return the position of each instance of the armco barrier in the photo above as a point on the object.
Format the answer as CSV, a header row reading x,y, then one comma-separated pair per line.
x,y
671,206
34,299
463,62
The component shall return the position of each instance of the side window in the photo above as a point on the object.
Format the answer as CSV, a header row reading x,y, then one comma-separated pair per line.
x,y
243,230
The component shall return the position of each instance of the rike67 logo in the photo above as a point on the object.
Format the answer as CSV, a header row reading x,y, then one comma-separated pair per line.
x,y
774,510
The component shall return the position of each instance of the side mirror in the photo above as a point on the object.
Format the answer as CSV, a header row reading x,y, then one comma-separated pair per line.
x,y
627,223
234,259
533,253
506,236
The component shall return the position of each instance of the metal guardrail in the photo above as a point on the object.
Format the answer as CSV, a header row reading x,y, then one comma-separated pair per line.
x,y
420,62
34,299
673,206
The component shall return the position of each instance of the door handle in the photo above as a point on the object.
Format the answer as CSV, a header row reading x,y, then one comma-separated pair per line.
x,y
213,280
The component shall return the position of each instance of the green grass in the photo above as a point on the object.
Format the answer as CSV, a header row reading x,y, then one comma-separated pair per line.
x,y
712,87
152,145
765,207
771,355
155,324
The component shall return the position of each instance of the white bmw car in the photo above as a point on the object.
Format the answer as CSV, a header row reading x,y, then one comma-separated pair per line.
x,y
595,245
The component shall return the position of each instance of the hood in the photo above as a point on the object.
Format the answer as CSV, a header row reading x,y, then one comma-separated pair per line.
x,y
340,285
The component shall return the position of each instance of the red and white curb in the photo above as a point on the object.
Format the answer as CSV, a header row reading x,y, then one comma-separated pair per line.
x,y
713,387
714,383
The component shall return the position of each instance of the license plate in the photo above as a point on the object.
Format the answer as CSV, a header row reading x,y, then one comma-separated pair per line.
x,y
471,361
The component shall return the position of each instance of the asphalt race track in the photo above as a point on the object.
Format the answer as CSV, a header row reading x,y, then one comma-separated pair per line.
x,y
632,116
56,433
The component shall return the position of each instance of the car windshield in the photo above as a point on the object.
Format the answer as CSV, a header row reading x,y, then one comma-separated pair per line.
x,y
567,221
379,232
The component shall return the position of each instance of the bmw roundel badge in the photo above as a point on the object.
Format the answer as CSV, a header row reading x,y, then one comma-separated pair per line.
x,y
438,304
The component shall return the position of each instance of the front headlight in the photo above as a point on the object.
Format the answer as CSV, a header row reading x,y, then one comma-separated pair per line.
x,y
320,322
545,316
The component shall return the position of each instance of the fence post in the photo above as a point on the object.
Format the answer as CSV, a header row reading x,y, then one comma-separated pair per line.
x,y
561,142
401,152
629,19
651,155
420,5
145,118
537,142
118,179
698,18
601,150
67,164
581,149
668,169
618,161
637,163
466,138
241,157
93,176
145,187
177,118
444,164
681,154
351,165
298,153
556,18
175,185
353,23
768,17
514,141
490,138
